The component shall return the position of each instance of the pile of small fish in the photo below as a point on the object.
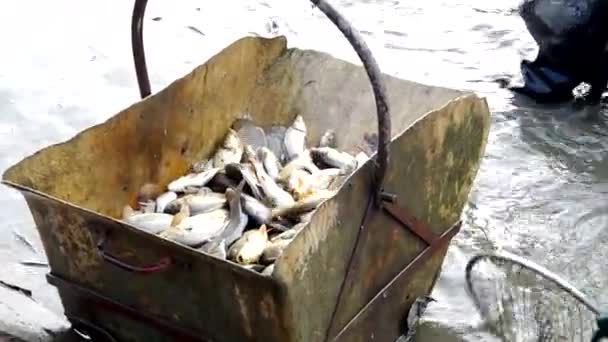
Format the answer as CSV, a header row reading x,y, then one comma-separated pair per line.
x,y
249,200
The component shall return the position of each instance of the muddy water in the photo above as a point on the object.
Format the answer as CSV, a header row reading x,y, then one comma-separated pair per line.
x,y
541,191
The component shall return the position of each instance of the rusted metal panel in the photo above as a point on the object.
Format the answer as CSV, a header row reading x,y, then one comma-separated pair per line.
x,y
75,190
186,293
432,170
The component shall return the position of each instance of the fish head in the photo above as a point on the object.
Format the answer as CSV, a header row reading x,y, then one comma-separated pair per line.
x,y
249,153
148,206
263,230
191,189
232,140
149,191
299,124
174,207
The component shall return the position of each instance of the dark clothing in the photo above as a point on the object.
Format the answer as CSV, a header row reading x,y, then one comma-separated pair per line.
x,y
567,55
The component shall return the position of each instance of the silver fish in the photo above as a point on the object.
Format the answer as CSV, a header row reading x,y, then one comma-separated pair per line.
x,y
231,150
295,138
150,222
273,250
300,184
198,204
249,133
270,161
286,235
334,158
192,180
238,219
249,248
216,248
273,193
268,270
276,142
260,213
304,205
361,158
163,200
326,177
255,267
328,139
246,172
302,162
202,165
148,206
198,229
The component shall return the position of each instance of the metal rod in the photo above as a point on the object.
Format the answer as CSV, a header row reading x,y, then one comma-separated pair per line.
x,y
137,43
378,87
509,257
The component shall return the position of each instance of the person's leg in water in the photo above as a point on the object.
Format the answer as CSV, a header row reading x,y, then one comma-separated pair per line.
x,y
596,69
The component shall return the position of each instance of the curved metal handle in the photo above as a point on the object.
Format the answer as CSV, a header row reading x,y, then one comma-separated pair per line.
x,y
353,37
162,265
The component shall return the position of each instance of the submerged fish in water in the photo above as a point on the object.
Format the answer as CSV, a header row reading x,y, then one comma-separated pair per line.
x,y
231,150
198,204
216,248
334,158
304,205
328,139
249,248
259,212
249,133
150,222
295,138
197,180
238,219
273,250
270,161
163,200
273,193
198,229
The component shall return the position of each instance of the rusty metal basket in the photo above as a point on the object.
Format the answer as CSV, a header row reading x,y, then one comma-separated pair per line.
x,y
350,275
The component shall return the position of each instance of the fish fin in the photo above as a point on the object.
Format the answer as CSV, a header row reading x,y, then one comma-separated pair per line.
x,y
263,230
239,188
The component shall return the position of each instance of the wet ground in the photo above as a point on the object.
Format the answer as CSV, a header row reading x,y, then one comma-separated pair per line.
x,y
541,191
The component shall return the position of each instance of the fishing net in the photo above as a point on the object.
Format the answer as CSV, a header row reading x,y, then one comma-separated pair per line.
x,y
521,301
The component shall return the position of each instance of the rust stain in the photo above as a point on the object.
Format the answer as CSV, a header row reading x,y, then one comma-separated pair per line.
x,y
76,242
243,309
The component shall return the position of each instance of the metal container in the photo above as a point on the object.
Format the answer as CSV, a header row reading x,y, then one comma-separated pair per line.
x,y
350,275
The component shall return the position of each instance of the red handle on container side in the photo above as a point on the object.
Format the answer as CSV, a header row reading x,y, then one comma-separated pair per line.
x,y
162,265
